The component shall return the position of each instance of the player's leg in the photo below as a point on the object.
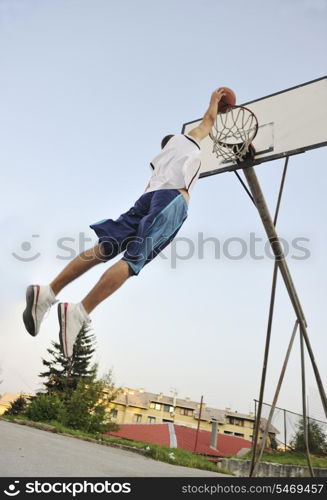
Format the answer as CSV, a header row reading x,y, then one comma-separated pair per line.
x,y
114,235
109,282
39,298
78,266
157,225
73,316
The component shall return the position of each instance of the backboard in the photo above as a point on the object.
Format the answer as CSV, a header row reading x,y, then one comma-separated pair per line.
x,y
290,122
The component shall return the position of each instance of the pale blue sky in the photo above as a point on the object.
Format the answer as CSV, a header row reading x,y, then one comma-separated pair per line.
x,y
87,90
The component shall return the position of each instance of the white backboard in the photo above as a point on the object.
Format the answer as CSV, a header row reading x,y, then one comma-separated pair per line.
x,y
290,122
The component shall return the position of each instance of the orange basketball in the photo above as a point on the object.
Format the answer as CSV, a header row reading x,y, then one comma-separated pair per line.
x,y
229,99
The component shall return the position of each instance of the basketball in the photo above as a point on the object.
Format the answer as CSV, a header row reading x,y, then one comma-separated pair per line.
x,y
227,100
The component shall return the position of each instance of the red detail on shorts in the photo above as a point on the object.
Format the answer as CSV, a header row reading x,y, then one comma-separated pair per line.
x,y
36,301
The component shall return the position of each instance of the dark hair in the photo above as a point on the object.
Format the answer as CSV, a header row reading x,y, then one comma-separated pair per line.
x,y
165,140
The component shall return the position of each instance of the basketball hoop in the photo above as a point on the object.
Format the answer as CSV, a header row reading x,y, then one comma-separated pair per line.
x,y
233,133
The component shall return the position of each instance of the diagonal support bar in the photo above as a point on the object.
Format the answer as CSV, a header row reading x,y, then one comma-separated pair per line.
x,y
269,328
304,408
274,403
267,221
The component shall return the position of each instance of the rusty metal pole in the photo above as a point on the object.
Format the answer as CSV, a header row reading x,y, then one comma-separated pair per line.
x,y
267,221
255,469
269,328
304,408
285,430
197,430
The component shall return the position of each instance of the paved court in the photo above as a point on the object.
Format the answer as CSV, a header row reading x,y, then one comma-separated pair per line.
x,y
29,452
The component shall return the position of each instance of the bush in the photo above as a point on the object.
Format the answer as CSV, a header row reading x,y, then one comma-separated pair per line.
x,y
17,407
45,407
316,437
87,408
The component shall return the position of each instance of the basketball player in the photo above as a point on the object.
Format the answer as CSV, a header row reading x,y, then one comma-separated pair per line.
x,y
140,233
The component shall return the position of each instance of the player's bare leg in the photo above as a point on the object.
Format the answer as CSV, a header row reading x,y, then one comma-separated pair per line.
x,y
72,317
109,282
40,298
78,266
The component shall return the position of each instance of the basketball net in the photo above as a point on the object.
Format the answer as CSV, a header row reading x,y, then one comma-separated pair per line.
x,y
233,132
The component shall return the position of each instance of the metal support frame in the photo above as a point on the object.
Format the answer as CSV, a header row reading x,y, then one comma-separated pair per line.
x,y
281,264
268,335
304,407
254,470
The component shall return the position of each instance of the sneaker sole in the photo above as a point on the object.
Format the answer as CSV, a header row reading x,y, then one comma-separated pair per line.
x,y
62,330
31,303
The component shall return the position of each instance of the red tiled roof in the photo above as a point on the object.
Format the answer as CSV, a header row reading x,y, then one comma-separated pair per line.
x,y
149,433
185,436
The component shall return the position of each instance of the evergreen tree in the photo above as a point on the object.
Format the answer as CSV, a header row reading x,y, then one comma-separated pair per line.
x,y
316,437
88,407
17,407
62,375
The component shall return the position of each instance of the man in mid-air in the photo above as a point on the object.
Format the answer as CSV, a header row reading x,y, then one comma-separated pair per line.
x,y
141,233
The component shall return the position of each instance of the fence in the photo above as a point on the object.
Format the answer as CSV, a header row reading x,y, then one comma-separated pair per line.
x,y
286,425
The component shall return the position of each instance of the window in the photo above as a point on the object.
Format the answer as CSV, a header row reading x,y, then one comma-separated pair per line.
x,y
238,435
114,413
151,420
167,408
228,432
236,421
137,418
155,406
186,412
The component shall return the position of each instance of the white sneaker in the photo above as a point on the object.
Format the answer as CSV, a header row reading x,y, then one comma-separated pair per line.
x,y
72,318
39,299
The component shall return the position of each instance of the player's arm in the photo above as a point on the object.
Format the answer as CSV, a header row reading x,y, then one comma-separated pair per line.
x,y
206,124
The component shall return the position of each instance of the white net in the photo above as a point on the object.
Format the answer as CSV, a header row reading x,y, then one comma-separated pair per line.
x,y
233,133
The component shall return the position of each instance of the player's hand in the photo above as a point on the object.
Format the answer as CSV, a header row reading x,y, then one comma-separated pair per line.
x,y
217,95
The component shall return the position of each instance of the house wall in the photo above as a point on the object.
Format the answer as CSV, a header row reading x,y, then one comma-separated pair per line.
x,y
127,415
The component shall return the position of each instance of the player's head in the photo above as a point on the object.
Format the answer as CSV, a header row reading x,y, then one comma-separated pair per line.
x,y
165,140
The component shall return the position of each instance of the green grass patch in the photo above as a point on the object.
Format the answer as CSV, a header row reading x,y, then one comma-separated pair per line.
x,y
174,456
289,458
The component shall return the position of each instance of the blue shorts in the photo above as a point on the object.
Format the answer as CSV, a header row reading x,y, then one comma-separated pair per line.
x,y
145,230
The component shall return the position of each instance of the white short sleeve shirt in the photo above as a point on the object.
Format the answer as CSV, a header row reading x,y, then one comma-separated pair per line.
x,y
177,166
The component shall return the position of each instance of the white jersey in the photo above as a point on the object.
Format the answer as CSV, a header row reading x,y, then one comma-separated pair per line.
x,y
177,166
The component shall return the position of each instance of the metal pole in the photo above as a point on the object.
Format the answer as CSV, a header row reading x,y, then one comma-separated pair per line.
x,y
273,406
264,369
255,418
262,207
280,257
269,326
197,430
285,440
304,409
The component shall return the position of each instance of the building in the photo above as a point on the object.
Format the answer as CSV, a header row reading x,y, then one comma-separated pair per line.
x,y
134,406
7,398
185,438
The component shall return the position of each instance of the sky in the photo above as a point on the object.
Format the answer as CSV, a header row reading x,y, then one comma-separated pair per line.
x,y
88,89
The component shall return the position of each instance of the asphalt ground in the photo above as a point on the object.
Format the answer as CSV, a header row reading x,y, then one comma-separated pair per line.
x,y
30,452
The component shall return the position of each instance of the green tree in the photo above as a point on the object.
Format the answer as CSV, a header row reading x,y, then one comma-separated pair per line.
x,y
75,396
62,375
88,407
46,407
17,407
316,437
